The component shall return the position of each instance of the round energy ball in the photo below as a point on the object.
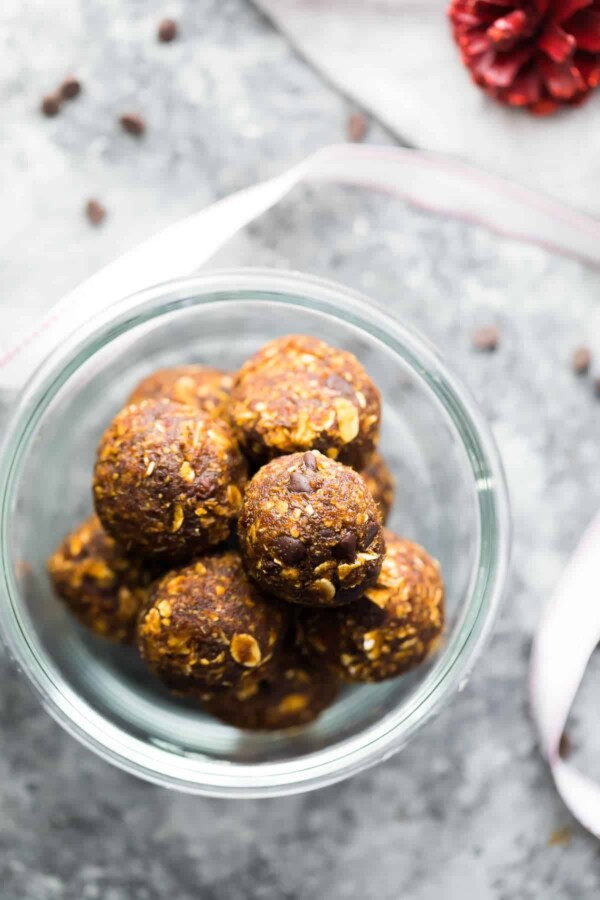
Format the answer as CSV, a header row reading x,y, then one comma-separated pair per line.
x,y
390,630
310,531
101,586
298,393
197,386
380,482
168,480
207,626
292,691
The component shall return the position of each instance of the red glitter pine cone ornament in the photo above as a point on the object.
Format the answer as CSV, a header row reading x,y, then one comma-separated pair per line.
x,y
540,54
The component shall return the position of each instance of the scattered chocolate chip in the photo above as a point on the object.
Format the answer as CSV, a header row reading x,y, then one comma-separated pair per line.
x,y
310,461
291,550
582,360
70,88
564,748
299,483
486,339
372,529
346,547
50,105
167,31
357,127
560,837
95,212
132,123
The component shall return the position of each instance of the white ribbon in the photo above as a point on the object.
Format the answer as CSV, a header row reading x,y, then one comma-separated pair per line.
x,y
430,181
570,628
566,638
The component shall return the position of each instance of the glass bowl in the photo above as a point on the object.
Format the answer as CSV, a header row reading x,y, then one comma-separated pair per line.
x,y
451,497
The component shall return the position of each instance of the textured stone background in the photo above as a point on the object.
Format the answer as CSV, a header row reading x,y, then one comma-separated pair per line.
x,y
469,811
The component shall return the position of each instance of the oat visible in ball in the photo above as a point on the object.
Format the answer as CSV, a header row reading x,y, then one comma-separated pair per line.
x,y
168,480
380,481
390,630
292,690
298,393
207,626
198,386
310,531
102,587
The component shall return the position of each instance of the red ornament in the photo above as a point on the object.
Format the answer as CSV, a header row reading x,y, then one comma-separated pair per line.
x,y
540,54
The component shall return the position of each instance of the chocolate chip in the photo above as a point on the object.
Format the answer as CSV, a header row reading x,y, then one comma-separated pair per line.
x,y
582,360
310,461
50,105
339,384
204,486
564,748
167,31
299,483
349,595
95,212
357,127
132,123
291,550
372,530
346,547
486,339
70,88
263,686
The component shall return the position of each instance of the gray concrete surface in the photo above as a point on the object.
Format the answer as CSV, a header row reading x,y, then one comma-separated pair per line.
x,y
469,811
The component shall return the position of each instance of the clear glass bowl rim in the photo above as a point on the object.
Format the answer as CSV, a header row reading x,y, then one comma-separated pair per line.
x,y
194,773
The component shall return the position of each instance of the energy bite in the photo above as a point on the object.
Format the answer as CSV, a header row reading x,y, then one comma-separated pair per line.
x,y
101,586
197,386
310,531
390,630
298,393
292,691
380,482
168,480
207,626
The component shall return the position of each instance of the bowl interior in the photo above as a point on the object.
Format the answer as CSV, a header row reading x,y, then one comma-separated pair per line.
x,y
436,505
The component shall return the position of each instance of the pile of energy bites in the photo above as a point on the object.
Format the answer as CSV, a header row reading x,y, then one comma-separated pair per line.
x,y
314,593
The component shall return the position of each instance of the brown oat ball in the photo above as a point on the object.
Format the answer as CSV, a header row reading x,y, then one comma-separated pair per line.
x,y
168,480
310,531
293,690
298,393
390,630
102,586
206,626
198,386
380,481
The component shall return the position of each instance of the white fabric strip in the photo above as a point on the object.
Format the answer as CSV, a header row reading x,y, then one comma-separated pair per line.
x,y
566,638
571,627
432,182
